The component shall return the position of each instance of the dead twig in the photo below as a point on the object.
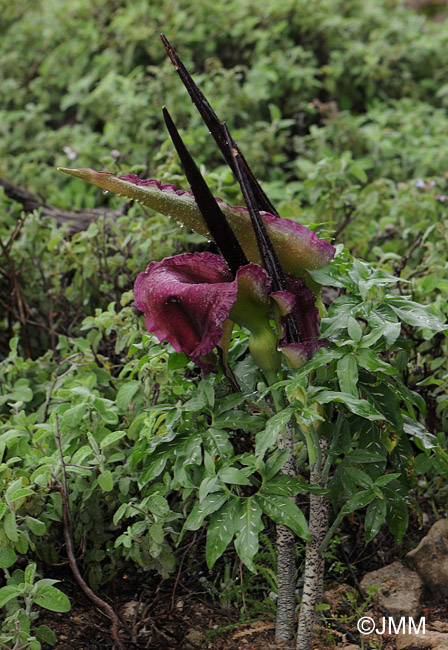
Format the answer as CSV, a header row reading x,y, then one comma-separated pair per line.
x,y
67,523
176,582
78,220
21,302
350,214
404,260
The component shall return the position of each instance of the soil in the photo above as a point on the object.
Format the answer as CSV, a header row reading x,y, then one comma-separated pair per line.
x,y
194,626
179,613
189,622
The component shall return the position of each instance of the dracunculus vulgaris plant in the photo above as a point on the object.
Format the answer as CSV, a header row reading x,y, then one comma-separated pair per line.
x,y
258,281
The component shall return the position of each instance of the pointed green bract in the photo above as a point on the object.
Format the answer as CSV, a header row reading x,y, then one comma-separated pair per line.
x,y
297,247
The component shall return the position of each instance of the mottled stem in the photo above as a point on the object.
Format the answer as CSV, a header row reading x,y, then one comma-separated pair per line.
x,y
286,553
314,559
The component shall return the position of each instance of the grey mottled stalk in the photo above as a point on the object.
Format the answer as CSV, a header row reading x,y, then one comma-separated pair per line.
x,y
314,560
286,554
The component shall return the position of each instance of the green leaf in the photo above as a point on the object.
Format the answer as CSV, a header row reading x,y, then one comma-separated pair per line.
x,y
106,481
268,438
283,485
24,622
10,525
367,359
46,635
386,402
73,416
284,511
228,403
322,607
415,314
112,438
156,533
216,442
21,393
126,393
7,557
233,476
209,464
417,430
177,360
21,493
201,510
34,644
358,173
360,477
248,524
196,403
375,515
9,592
220,531
397,515
347,371
208,484
51,598
106,410
156,463
124,484
358,406
354,329
387,478
158,505
239,420
274,463
364,456
120,513
384,322
357,501
207,389
30,573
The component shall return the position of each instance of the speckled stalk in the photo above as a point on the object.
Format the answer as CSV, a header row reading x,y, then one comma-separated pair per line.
x,y
314,560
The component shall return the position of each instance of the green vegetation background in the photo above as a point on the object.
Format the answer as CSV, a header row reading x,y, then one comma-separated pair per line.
x,y
341,109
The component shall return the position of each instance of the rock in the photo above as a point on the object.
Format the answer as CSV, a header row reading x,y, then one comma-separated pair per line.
x,y
400,590
131,608
430,558
337,595
428,641
194,639
440,626
349,647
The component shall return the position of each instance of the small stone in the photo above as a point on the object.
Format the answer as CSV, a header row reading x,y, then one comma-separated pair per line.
x,y
131,608
194,638
428,641
430,558
400,590
180,604
440,626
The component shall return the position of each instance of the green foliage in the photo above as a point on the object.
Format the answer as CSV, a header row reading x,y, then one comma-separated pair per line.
x,y
340,108
22,591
